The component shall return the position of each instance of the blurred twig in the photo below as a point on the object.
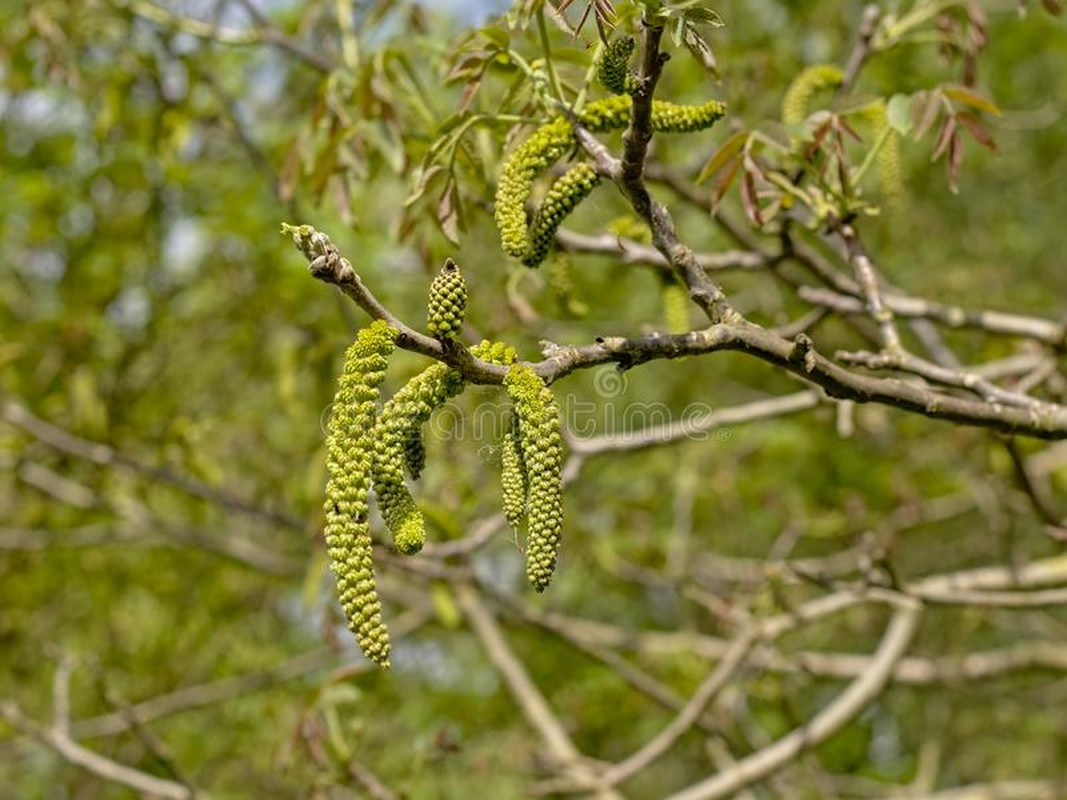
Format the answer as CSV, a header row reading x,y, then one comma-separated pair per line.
x,y
102,767
104,455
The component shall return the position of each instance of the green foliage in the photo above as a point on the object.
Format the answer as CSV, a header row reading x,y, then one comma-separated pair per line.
x,y
147,308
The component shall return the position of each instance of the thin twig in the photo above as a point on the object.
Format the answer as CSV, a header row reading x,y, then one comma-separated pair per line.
x,y
727,667
631,252
100,454
696,429
862,51
91,761
826,723
529,698
867,278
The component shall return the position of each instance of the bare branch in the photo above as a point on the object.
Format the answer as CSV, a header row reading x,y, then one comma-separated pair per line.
x,y
867,278
206,694
529,698
91,761
1046,421
1001,790
862,51
994,322
104,455
370,782
727,667
631,252
694,429
826,723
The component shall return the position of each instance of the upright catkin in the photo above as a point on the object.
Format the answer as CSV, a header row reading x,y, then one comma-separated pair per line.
x,y
348,460
447,303
541,447
613,65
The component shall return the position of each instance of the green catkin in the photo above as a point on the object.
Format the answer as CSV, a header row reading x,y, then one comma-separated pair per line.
x,y
399,448
674,118
612,66
348,460
804,87
414,453
563,197
541,447
544,147
613,113
887,159
447,302
495,352
890,173
675,300
561,285
551,141
513,479
400,418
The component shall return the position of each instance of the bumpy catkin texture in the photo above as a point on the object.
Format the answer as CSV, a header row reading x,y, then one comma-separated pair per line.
x,y
543,148
413,445
612,66
887,159
414,454
513,478
495,352
447,302
403,414
804,87
563,197
551,141
348,459
674,118
613,113
541,446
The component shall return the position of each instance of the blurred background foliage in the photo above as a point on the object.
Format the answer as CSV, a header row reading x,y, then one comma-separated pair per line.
x,y
149,304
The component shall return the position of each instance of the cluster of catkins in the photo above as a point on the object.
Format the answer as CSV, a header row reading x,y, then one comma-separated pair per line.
x,y
531,241
367,446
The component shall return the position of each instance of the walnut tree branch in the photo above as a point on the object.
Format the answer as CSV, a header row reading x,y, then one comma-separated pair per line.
x,y
799,357
859,694
99,765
